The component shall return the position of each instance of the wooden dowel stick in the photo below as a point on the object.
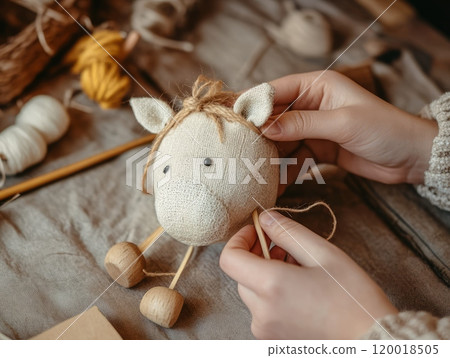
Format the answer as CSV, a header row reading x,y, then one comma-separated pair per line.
x,y
149,240
181,268
262,238
72,168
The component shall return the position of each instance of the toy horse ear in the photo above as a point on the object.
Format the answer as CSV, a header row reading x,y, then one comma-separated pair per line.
x,y
256,104
151,113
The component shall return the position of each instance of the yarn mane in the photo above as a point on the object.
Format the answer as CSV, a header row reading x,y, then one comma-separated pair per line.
x,y
209,98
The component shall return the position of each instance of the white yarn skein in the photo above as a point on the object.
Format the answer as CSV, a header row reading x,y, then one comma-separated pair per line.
x,y
22,147
46,115
41,121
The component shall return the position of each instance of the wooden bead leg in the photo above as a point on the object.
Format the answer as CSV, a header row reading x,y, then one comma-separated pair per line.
x,y
163,305
125,263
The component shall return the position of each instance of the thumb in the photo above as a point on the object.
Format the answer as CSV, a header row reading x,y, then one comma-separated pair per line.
x,y
238,262
306,247
297,125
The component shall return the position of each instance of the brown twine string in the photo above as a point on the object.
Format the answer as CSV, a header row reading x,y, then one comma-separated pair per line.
x,y
158,274
209,98
41,11
308,208
41,36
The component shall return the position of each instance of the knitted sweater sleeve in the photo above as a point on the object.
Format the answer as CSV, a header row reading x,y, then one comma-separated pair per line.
x,y
436,187
410,325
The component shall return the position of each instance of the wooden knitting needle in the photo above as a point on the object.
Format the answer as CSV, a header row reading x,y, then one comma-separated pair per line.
x,y
125,262
163,305
261,237
72,168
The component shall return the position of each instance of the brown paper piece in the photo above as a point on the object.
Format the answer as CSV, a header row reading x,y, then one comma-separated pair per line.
x,y
90,325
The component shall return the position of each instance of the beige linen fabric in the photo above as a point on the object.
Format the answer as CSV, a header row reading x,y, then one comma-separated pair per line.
x,y
190,218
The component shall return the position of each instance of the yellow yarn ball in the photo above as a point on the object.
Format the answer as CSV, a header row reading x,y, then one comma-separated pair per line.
x,y
100,75
103,83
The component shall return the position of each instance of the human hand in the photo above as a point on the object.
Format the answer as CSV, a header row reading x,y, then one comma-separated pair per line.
x,y
319,293
341,123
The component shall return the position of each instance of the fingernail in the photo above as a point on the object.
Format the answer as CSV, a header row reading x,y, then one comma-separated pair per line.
x,y
267,218
271,128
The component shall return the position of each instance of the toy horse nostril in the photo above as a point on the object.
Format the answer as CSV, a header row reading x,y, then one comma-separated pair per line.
x,y
174,203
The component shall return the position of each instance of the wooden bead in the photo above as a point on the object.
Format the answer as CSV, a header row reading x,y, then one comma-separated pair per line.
x,y
162,305
125,264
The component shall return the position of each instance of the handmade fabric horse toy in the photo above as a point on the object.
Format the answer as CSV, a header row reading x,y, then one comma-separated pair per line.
x,y
218,173
211,192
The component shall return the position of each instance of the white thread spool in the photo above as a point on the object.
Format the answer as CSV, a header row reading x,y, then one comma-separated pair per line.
x,y
42,120
46,115
21,147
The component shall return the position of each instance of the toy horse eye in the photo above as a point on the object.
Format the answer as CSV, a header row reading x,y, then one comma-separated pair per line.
x,y
207,162
166,169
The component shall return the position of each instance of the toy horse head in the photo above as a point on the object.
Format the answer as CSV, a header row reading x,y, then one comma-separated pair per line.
x,y
215,165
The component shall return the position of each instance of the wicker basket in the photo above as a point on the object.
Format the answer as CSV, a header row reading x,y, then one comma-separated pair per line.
x,y
25,55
